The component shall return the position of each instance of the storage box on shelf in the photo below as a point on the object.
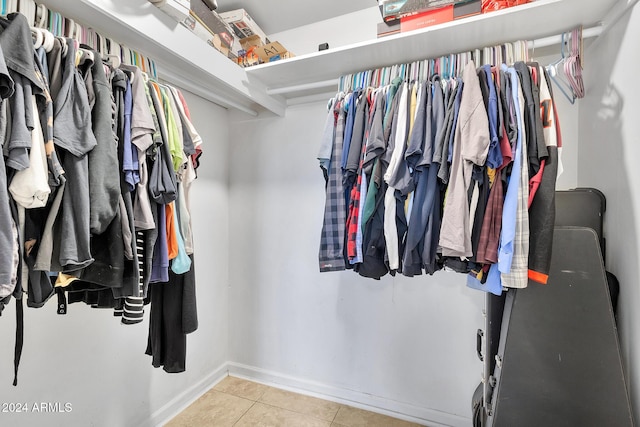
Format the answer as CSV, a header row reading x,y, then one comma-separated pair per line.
x,y
273,52
251,41
210,19
255,52
392,10
430,17
243,24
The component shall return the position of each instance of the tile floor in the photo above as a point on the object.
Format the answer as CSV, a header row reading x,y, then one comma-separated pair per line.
x,y
241,403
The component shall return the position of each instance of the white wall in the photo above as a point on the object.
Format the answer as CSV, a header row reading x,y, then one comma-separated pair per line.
x,y
608,156
401,344
343,30
87,358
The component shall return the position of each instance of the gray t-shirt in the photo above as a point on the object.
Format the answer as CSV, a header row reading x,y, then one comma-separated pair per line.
x,y
470,147
72,132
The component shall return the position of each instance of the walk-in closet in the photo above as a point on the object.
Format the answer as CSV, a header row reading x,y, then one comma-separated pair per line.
x,y
254,296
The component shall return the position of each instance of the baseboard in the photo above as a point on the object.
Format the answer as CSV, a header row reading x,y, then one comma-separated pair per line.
x,y
357,399
183,400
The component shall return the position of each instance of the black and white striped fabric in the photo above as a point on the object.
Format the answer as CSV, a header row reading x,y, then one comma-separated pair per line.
x,y
133,310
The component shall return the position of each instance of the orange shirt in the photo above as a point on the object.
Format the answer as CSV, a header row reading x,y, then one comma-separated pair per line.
x,y
172,238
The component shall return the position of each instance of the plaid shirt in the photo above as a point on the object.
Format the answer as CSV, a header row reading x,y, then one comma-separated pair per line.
x,y
492,222
358,193
516,275
331,254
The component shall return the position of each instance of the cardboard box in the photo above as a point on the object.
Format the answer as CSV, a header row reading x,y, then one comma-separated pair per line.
x,y
251,41
427,19
243,24
272,52
217,43
213,22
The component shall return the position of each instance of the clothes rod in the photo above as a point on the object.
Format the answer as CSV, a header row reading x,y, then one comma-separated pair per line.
x,y
203,93
557,39
534,44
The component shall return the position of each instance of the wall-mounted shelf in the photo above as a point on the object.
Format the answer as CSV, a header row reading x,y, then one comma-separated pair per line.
x,y
186,59
177,51
533,20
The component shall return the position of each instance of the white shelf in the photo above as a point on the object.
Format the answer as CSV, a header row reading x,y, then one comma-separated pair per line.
x,y
534,20
177,52
183,57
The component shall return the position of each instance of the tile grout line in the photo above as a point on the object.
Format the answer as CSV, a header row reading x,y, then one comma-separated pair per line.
x,y
336,415
240,397
292,411
309,415
245,412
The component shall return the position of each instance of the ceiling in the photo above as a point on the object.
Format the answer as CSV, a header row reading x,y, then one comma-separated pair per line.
x,y
274,16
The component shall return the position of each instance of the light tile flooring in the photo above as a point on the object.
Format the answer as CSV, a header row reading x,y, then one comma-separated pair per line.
x,y
241,403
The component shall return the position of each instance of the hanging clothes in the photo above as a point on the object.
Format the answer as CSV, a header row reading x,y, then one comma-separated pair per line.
x,y
93,158
453,171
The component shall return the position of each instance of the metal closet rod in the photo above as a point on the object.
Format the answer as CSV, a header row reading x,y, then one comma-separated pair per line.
x,y
534,44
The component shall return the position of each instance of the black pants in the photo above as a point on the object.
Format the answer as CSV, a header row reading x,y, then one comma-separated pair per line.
x,y
173,316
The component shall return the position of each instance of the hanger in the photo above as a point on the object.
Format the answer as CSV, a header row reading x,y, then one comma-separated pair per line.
x,y
555,74
48,41
38,37
453,66
42,38
84,53
41,16
341,83
378,80
79,32
69,27
573,65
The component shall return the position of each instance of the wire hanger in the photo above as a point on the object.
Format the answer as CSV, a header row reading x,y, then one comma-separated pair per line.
x,y
573,65
555,75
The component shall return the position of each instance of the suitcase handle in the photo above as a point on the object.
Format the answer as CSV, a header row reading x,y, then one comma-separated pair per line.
x,y
479,337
